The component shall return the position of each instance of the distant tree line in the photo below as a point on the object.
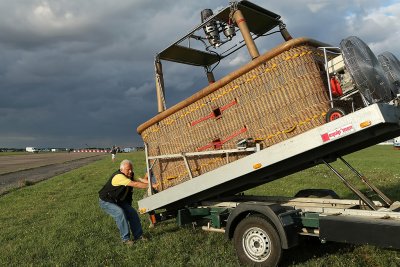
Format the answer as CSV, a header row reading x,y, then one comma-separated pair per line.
x,y
8,149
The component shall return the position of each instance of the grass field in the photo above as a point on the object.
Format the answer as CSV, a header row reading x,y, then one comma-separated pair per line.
x,y
58,222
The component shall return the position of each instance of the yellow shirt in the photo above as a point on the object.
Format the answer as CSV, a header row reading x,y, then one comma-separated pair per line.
x,y
120,179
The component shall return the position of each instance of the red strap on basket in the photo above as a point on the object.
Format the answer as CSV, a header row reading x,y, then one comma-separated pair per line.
x,y
234,102
218,144
203,119
212,114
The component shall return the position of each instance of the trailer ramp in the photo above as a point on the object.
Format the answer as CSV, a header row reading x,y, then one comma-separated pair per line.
x,y
363,128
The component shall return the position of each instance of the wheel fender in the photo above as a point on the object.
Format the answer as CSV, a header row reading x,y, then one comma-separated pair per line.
x,y
288,235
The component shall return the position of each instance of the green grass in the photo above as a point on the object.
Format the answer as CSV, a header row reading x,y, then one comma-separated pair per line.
x,y
379,164
58,222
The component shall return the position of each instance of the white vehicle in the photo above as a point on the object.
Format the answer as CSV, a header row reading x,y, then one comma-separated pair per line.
x,y
396,142
32,149
128,149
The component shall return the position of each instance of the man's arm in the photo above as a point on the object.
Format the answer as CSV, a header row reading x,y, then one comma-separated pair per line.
x,y
137,184
120,179
141,185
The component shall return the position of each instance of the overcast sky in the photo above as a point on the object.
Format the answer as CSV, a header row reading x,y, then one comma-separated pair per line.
x,y
76,73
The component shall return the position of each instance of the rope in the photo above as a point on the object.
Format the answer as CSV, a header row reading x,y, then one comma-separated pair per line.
x,y
233,6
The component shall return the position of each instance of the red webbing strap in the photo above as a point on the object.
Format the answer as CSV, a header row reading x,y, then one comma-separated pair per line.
x,y
203,119
234,102
212,115
220,143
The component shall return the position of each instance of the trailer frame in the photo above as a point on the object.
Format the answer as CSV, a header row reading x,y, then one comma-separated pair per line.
x,y
355,131
262,226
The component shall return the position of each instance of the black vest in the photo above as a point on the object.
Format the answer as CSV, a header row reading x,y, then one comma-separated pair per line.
x,y
115,194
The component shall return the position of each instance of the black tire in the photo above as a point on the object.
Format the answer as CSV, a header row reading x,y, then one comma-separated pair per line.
x,y
257,242
334,113
318,193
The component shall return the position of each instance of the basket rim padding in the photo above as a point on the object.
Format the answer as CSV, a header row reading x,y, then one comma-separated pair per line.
x,y
228,78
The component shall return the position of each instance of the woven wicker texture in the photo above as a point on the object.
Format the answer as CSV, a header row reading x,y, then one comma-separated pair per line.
x,y
278,99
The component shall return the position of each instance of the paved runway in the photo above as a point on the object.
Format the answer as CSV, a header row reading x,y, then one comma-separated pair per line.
x,y
27,161
17,169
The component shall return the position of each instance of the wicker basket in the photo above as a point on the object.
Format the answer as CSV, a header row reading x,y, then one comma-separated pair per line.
x,y
276,96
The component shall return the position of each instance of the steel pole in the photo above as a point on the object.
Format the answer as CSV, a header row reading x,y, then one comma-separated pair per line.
x,y
241,23
159,85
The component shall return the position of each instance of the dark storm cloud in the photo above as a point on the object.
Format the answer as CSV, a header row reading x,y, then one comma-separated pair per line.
x,y
81,72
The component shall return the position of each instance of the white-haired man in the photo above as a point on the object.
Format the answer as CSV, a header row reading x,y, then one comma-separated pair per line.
x,y
115,198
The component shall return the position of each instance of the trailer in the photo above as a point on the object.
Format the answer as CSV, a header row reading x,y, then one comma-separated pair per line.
x,y
262,226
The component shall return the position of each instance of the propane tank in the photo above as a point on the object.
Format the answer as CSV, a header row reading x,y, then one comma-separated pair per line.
x,y
211,28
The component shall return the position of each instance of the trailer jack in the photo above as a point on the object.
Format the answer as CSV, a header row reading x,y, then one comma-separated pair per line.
x,y
363,197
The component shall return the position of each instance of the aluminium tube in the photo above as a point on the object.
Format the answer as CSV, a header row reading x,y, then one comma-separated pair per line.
x,y
241,23
210,77
159,85
284,32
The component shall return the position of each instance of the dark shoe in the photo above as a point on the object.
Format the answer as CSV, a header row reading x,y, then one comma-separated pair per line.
x,y
128,242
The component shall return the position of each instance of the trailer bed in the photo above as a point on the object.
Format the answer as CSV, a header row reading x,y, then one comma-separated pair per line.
x,y
363,128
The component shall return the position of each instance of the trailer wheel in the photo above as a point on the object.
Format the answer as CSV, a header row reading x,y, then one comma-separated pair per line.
x,y
334,113
257,242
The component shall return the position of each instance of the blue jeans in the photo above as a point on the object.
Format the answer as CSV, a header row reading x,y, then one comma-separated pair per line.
x,y
125,216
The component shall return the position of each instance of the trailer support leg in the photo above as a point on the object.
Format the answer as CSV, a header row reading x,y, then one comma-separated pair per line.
x,y
363,197
384,198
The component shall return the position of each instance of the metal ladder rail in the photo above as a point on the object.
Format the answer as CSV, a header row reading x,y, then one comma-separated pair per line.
x,y
189,171
363,197
325,50
185,156
226,152
364,179
148,169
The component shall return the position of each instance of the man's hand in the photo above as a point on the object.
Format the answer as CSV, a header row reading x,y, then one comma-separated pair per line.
x,y
143,180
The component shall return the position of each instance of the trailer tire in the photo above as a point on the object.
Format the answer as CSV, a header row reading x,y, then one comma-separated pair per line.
x,y
257,242
334,113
